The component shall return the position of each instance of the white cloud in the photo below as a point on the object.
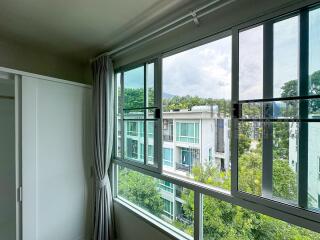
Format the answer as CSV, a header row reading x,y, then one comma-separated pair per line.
x,y
204,71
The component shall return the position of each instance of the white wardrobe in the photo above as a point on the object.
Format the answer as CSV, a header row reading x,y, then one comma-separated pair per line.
x,y
46,157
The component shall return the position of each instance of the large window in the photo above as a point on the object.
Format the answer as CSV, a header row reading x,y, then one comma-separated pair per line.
x,y
286,113
221,140
199,111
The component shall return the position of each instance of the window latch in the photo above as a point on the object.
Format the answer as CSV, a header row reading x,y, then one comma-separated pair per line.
x,y
157,113
236,110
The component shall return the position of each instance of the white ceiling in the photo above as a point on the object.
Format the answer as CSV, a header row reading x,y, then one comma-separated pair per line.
x,y
83,28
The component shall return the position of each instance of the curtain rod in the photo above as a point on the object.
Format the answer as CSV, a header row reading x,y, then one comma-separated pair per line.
x,y
193,16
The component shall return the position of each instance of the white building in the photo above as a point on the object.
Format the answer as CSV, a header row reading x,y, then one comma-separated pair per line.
x,y
195,137
190,138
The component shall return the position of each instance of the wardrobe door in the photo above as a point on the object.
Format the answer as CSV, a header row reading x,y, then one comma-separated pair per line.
x,y
7,160
55,160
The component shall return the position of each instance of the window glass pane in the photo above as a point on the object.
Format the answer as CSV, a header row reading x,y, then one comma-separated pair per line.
x,y
251,63
150,142
314,111
285,57
133,139
285,161
284,137
288,109
118,116
250,157
222,220
314,53
313,165
150,85
164,200
134,88
197,92
188,132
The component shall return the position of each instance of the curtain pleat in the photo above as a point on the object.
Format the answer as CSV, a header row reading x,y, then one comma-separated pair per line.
x,y
103,122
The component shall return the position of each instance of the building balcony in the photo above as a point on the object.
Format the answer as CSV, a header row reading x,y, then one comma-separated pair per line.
x,y
168,138
183,219
183,167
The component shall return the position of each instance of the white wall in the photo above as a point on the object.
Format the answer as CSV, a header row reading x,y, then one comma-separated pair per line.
x,y
22,56
56,160
132,227
7,162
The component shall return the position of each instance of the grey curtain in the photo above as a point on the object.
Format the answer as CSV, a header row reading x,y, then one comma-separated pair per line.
x,y
103,99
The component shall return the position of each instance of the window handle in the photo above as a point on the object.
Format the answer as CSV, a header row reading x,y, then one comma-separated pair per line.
x,y
157,113
236,110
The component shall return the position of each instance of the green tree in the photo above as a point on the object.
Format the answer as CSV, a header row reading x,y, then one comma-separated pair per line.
x,y
284,180
187,102
141,190
134,98
222,220
290,89
281,136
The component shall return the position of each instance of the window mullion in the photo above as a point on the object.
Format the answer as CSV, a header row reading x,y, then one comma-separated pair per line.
x,y
145,155
234,101
267,142
303,108
122,115
158,122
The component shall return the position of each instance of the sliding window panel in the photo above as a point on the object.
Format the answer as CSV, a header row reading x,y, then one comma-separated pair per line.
x,y
275,62
196,106
167,203
138,115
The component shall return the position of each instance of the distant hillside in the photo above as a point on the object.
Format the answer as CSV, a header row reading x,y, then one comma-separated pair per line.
x,y
167,95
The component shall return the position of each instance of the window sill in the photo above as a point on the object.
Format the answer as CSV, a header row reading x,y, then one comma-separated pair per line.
x,y
159,224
